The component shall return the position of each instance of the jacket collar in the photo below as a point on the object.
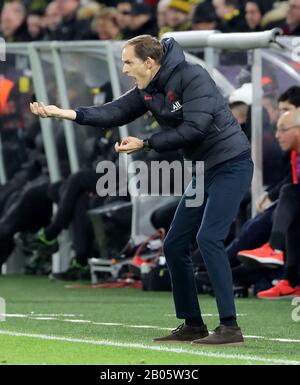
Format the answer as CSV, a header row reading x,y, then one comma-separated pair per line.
x,y
173,57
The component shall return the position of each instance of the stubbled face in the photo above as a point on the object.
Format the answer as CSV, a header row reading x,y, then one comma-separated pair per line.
x,y
288,133
136,68
253,15
285,107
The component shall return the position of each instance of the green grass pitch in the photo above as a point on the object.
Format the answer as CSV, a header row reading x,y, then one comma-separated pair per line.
x,y
49,324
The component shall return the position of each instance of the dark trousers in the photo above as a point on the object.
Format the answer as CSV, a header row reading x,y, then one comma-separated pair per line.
x,y
292,265
254,233
31,210
79,184
287,211
163,216
72,210
224,187
83,233
286,230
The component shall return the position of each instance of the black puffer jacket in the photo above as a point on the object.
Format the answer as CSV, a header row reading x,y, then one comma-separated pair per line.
x,y
185,101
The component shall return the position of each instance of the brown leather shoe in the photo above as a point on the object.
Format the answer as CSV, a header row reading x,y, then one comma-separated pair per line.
x,y
223,335
184,333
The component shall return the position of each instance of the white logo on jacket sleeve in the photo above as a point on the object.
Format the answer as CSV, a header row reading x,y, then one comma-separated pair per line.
x,y
176,106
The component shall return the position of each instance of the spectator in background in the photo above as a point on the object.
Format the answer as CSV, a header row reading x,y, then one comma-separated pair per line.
x,y
273,165
254,12
239,111
288,101
161,14
178,17
124,17
71,28
292,22
13,22
230,15
34,22
256,231
204,17
286,224
275,17
269,102
106,26
143,21
51,21
89,11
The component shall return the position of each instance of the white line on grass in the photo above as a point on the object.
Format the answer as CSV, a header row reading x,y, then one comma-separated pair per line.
x,y
55,315
205,315
289,340
33,314
168,329
155,348
273,339
118,324
44,318
77,321
107,323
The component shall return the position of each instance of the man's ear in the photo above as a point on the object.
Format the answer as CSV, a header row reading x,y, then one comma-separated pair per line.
x,y
150,62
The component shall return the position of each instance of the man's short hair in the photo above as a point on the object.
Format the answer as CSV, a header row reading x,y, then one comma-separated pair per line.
x,y
291,95
147,46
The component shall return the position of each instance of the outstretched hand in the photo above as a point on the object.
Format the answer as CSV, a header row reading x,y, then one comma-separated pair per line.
x,y
50,111
129,145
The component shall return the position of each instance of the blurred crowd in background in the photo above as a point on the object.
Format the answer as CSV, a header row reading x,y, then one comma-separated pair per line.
x,y
34,20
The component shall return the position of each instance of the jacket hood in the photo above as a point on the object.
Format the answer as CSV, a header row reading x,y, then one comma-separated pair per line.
x,y
173,56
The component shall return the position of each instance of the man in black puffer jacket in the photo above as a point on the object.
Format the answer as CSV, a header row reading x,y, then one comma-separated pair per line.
x,y
196,120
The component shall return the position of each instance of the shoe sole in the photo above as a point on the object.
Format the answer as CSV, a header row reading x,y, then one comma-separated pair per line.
x,y
237,344
172,342
252,261
281,297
